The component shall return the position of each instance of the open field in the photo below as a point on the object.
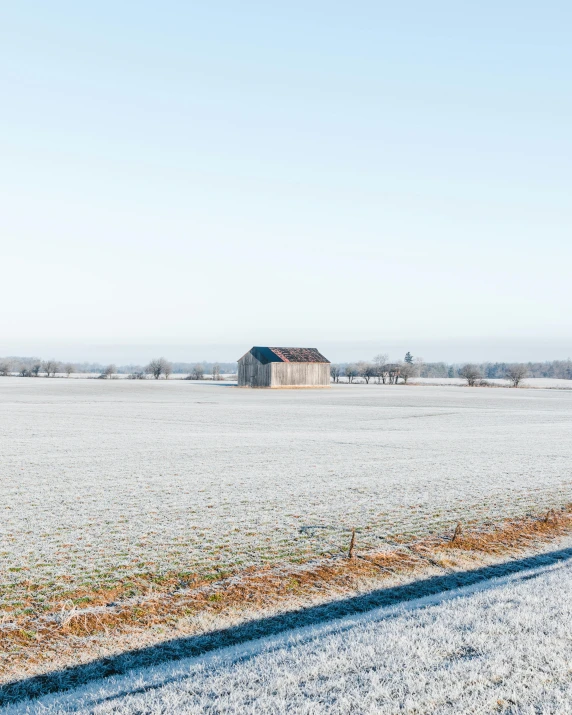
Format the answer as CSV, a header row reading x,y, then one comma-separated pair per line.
x,y
110,484
543,383
446,653
100,478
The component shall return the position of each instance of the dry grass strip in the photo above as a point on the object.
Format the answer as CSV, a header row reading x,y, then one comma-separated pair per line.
x,y
62,630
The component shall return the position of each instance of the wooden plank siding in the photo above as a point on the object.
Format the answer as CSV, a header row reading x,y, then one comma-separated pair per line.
x,y
300,374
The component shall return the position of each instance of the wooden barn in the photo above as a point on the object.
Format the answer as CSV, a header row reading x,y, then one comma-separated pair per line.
x,y
283,368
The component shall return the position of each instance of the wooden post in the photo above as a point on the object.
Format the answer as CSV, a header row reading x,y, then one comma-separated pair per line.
x,y
458,532
351,553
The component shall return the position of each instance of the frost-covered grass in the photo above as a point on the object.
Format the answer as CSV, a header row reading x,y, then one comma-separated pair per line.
x,y
531,382
502,646
100,480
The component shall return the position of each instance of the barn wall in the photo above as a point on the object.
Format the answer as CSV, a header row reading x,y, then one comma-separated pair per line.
x,y
252,373
300,374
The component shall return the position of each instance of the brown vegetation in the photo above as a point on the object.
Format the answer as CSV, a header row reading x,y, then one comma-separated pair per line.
x,y
68,626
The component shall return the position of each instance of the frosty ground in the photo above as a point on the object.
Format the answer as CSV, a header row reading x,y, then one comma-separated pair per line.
x,y
102,482
500,646
102,478
543,383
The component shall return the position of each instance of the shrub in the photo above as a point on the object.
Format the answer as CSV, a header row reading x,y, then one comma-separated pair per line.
x,y
471,373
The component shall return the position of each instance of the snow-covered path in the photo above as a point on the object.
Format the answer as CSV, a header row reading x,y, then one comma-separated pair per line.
x,y
502,646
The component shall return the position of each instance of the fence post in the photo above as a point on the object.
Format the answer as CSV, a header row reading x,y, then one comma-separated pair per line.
x,y
351,553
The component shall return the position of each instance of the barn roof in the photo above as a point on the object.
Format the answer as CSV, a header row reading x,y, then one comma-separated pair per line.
x,y
266,355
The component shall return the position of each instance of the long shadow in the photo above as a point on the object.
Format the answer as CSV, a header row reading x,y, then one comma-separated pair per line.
x,y
195,645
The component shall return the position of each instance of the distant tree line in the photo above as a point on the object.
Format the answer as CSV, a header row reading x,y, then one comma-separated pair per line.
x,y
555,369
34,367
515,373
158,368
381,371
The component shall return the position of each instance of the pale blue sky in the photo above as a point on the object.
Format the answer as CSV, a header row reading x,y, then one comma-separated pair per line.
x,y
310,173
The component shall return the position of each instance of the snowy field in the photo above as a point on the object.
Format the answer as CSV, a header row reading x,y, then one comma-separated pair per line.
x,y
501,646
103,479
545,383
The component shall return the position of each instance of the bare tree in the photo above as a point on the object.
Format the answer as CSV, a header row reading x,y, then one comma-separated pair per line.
x,y
154,368
516,373
380,361
167,369
36,368
471,373
110,370
157,367
407,370
51,367
366,370
393,371
24,370
5,368
69,368
335,372
216,372
198,372
351,372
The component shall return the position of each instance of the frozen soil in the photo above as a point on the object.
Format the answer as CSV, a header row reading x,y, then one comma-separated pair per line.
x,y
100,480
502,645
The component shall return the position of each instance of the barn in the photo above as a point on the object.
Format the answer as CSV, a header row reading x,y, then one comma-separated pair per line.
x,y
283,368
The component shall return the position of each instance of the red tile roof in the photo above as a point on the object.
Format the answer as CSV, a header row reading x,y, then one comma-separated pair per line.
x,y
299,354
266,355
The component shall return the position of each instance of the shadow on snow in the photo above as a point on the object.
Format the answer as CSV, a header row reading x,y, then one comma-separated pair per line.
x,y
190,646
